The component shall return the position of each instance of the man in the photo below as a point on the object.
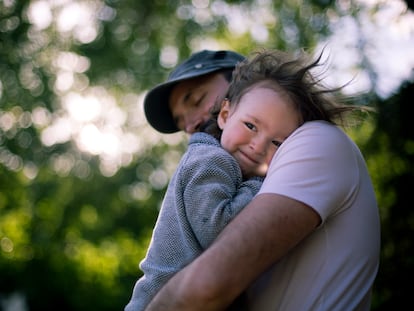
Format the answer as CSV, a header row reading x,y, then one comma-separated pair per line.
x,y
309,240
182,103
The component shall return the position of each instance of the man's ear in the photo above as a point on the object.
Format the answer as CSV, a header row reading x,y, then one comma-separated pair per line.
x,y
224,113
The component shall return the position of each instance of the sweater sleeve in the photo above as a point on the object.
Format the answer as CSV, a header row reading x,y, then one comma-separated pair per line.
x,y
214,192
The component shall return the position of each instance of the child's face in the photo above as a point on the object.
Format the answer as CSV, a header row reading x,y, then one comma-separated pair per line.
x,y
254,128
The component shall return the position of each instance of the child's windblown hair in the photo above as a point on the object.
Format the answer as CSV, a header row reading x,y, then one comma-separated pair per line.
x,y
291,76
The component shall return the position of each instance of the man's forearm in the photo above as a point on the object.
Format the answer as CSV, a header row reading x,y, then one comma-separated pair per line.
x,y
193,288
260,235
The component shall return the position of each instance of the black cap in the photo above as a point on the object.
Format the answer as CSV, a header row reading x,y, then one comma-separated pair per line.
x,y
156,106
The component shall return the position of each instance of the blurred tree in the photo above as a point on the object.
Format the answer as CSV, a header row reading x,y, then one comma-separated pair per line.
x,y
82,175
391,154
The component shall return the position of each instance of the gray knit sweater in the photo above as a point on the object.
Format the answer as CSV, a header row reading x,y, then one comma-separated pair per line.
x,y
204,194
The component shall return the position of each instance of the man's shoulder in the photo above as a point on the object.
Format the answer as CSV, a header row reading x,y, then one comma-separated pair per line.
x,y
320,132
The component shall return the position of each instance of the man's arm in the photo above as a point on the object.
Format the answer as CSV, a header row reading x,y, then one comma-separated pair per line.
x,y
260,235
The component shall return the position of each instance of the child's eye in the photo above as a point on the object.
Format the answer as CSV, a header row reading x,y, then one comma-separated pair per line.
x,y
249,125
276,143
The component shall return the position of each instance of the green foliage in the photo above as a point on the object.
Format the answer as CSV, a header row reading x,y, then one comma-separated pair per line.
x,y
75,222
391,159
61,235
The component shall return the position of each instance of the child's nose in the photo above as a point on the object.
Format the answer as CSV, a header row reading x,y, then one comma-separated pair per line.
x,y
259,146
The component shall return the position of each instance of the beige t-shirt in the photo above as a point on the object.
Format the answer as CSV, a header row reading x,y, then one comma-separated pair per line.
x,y
335,267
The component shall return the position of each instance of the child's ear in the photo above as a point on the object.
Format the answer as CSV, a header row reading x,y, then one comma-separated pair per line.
x,y
224,113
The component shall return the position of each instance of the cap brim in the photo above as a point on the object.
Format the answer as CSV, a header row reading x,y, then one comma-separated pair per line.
x,y
157,110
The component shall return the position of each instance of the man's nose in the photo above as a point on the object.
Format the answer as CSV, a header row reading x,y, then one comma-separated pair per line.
x,y
192,125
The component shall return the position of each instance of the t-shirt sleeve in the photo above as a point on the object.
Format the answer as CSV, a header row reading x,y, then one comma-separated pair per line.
x,y
316,165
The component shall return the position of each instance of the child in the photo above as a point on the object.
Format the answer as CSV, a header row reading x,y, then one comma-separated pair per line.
x,y
213,182
270,96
